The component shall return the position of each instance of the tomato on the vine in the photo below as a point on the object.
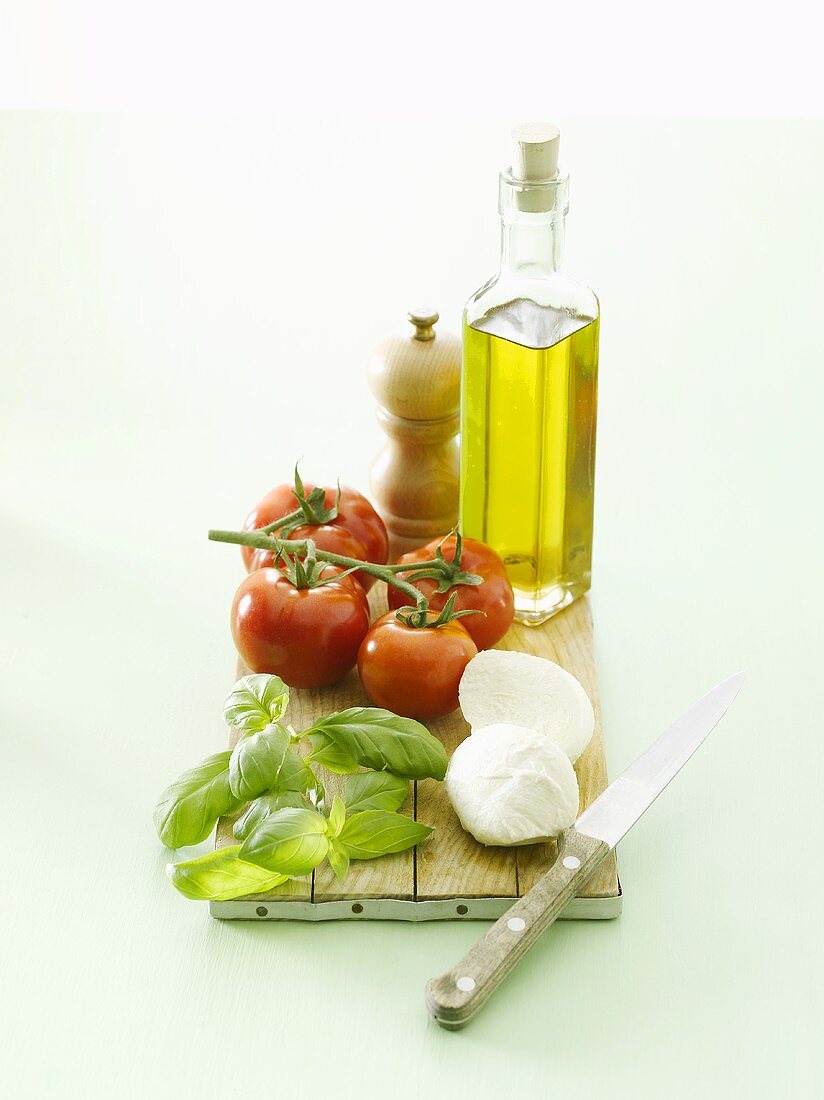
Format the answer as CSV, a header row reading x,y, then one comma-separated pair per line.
x,y
356,531
494,597
415,670
308,636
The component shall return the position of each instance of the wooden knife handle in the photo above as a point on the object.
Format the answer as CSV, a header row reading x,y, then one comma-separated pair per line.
x,y
455,997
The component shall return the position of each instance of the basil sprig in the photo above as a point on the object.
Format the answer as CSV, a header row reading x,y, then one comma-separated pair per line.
x,y
282,829
294,842
383,741
187,810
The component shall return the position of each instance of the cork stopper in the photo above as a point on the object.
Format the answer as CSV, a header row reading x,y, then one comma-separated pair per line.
x,y
535,152
534,184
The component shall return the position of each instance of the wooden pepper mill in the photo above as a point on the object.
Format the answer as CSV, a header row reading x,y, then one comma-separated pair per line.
x,y
417,381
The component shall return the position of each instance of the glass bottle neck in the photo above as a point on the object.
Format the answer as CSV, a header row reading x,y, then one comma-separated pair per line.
x,y
532,245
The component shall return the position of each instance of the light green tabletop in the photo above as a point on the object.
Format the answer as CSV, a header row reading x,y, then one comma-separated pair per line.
x,y
186,307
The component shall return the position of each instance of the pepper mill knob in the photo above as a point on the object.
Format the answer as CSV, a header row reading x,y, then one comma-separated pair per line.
x,y
416,379
424,321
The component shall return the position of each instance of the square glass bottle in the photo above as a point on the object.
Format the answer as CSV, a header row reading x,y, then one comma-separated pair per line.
x,y
529,393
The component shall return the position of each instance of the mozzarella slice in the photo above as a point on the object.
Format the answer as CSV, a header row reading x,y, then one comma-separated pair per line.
x,y
511,785
528,691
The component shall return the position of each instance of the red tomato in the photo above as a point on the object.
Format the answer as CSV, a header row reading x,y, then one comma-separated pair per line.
x,y
335,540
415,671
494,596
355,515
307,636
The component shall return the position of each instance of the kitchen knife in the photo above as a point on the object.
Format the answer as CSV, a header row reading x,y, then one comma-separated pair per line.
x,y
457,995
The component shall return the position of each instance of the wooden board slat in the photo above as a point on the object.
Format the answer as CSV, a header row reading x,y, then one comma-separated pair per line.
x,y
451,865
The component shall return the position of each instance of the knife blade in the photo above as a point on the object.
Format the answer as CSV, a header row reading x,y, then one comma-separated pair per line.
x,y
614,812
457,995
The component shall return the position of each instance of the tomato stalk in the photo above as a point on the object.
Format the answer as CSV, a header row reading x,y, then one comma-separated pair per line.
x,y
387,573
307,572
413,616
311,509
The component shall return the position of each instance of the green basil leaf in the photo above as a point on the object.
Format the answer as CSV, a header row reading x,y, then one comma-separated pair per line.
x,y
295,774
375,791
337,816
262,807
384,741
221,876
373,833
188,809
255,702
291,842
264,761
338,859
327,753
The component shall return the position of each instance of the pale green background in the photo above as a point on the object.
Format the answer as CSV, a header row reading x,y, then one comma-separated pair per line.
x,y
186,307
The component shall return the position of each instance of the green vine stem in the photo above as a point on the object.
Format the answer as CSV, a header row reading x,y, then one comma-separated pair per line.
x,y
412,568
293,518
387,573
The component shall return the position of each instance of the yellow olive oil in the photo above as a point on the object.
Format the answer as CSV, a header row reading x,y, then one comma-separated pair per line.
x,y
528,411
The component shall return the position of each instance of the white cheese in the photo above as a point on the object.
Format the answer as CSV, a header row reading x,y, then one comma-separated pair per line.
x,y
528,691
511,785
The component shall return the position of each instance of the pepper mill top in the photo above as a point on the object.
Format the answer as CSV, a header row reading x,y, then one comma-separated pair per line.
x,y
418,376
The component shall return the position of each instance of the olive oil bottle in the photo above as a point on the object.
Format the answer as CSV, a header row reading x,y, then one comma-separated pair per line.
x,y
528,394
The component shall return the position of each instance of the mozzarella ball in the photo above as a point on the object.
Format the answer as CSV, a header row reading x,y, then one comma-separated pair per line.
x,y
529,691
511,785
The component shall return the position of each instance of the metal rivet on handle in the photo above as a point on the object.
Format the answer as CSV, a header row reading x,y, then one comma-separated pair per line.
x,y
516,924
262,911
466,984
572,863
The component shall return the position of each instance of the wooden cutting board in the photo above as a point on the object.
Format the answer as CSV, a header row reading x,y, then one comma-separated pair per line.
x,y
450,876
